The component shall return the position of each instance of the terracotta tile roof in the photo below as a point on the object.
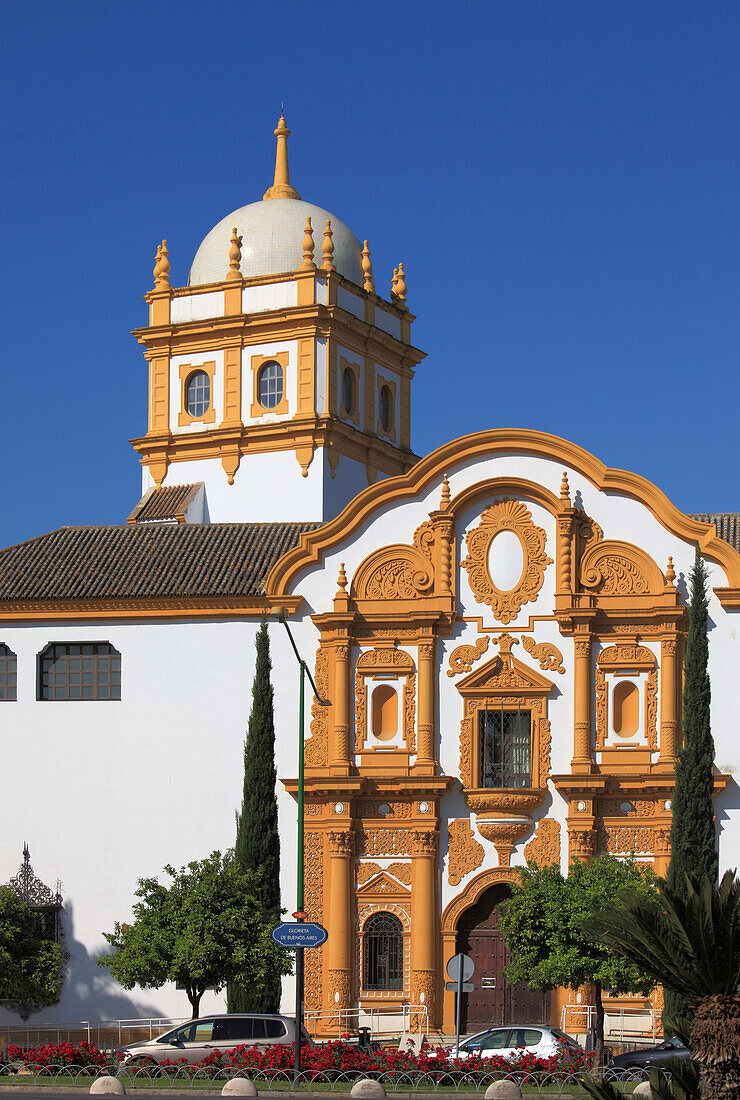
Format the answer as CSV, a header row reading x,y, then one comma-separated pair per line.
x,y
146,560
727,524
165,504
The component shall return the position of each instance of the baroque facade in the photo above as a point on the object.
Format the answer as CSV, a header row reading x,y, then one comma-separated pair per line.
x,y
498,628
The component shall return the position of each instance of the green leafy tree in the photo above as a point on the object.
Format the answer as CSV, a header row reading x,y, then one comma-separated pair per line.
x,y
693,835
690,941
542,925
204,929
30,965
257,845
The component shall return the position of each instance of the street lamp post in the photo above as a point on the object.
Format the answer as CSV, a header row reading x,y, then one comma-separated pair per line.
x,y
299,913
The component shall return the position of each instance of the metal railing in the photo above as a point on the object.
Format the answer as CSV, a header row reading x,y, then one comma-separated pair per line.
x,y
322,1081
103,1034
638,1025
382,1022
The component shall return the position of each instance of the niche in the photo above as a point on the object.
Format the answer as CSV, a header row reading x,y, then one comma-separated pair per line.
x,y
384,712
626,709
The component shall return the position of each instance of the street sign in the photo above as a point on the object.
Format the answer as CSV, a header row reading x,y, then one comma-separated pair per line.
x,y
458,963
455,987
302,934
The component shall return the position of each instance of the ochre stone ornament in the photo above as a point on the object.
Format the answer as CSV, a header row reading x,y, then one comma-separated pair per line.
x,y
548,655
506,515
464,656
544,848
465,853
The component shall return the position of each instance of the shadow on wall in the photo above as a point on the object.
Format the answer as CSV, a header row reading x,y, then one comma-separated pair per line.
x,y
89,991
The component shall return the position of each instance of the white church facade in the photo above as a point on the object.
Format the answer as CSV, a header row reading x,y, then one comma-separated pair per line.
x,y
499,627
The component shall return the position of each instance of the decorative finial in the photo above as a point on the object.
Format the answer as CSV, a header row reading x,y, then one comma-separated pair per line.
x,y
328,249
162,268
670,573
26,853
342,581
367,269
281,188
235,256
394,283
565,487
445,492
401,287
308,247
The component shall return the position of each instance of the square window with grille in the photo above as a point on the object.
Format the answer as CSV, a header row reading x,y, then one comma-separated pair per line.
x,y
80,672
505,748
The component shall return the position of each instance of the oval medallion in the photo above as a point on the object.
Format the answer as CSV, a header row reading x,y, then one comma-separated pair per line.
x,y
506,560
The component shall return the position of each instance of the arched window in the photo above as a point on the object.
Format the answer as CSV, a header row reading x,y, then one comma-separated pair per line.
x,y
383,952
198,394
348,391
8,675
80,672
270,384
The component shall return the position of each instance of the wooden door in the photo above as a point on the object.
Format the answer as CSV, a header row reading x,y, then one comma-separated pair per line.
x,y
494,1002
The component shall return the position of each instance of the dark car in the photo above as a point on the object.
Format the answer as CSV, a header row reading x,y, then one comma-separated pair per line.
x,y
651,1056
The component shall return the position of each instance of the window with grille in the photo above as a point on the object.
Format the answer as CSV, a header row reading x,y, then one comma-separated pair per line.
x,y
505,744
80,672
270,384
198,394
8,675
383,953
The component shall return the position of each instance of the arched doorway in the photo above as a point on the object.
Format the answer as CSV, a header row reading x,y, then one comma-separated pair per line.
x,y
494,1001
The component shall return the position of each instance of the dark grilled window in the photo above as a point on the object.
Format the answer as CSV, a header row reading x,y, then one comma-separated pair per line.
x,y
8,675
80,672
504,738
383,948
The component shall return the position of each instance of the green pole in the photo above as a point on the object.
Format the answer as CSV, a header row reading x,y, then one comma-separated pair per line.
x,y
299,914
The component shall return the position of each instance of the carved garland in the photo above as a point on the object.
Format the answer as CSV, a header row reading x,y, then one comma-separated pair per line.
x,y
544,848
314,895
465,853
506,515
316,749
463,657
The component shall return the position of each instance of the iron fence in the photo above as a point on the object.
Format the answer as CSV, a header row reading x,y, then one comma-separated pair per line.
x,y
319,1081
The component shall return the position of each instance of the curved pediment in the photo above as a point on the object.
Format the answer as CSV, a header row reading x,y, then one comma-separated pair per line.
x,y
393,573
612,568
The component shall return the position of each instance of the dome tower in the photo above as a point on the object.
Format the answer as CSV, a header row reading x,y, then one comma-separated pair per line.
x,y
278,377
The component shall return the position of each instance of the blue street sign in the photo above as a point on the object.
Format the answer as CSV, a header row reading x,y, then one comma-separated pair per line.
x,y
304,934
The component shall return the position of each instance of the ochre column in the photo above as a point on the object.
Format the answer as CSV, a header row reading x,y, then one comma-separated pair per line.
x,y
340,753
425,761
668,700
339,923
425,920
582,705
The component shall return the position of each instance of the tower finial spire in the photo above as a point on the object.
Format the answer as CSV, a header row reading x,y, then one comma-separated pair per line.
x,y
281,188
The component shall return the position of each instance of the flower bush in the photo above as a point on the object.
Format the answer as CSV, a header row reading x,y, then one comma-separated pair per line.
x,y
324,1062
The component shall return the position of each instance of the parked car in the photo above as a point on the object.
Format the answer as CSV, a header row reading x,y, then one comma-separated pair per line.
x,y
511,1042
650,1056
196,1039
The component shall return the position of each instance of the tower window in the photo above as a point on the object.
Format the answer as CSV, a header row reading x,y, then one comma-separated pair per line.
x,y
80,672
348,391
383,952
198,394
505,752
8,675
386,406
270,385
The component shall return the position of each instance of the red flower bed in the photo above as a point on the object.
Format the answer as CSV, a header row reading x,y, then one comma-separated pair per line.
x,y
324,1062
58,1054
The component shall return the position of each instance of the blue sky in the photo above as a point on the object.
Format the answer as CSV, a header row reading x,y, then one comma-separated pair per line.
x,y
559,179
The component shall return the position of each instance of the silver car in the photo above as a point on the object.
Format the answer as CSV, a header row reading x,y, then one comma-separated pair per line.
x,y
511,1042
196,1039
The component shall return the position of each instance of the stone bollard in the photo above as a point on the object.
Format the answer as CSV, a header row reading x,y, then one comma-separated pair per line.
x,y
107,1086
643,1089
503,1090
368,1088
239,1086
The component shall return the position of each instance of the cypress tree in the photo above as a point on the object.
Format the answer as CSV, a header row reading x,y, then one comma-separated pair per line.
x,y
257,846
693,836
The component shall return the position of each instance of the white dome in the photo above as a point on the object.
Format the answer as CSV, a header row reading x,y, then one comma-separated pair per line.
x,y
272,242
